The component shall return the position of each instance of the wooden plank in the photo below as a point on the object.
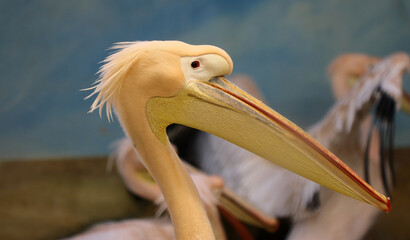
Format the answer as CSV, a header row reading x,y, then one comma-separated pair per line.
x,y
55,198
51,199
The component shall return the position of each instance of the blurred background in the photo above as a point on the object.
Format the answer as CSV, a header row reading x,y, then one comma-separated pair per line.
x,y
50,50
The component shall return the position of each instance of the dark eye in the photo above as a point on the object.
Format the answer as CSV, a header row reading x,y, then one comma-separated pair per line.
x,y
195,64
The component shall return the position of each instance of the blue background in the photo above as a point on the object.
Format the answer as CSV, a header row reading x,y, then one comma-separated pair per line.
x,y
51,49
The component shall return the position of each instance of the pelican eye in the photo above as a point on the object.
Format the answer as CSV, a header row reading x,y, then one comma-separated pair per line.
x,y
195,64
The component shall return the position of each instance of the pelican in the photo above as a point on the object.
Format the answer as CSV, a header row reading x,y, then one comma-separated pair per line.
x,y
360,83
157,83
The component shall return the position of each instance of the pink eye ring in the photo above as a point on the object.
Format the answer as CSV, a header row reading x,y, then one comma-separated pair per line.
x,y
195,64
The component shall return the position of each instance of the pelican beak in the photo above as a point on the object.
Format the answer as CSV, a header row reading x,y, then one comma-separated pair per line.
x,y
220,108
405,102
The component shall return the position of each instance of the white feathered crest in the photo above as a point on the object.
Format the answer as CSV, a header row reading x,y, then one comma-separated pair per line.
x,y
111,73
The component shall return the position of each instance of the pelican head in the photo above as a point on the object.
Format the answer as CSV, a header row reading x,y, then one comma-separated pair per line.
x,y
346,70
154,84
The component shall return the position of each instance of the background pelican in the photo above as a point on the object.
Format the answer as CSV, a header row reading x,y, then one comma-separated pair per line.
x,y
154,84
138,181
348,131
